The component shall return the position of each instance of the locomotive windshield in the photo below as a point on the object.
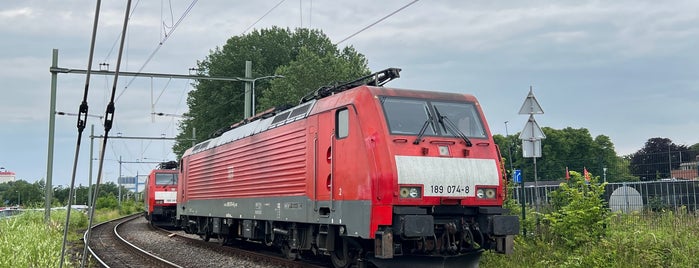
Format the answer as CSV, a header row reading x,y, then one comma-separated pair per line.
x,y
406,116
165,178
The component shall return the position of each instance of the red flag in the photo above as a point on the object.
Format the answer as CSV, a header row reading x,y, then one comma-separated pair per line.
x,y
567,174
587,174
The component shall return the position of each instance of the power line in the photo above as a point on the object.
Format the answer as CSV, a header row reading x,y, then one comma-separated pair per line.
x,y
109,54
157,48
376,22
258,20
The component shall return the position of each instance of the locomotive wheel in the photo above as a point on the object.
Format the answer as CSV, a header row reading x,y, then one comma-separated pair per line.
x,y
289,253
222,239
206,237
343,256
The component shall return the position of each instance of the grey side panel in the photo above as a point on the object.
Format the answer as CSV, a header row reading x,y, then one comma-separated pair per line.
x,y
354,215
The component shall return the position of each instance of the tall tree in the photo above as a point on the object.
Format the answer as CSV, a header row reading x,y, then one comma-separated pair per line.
x,y
657,157
217,104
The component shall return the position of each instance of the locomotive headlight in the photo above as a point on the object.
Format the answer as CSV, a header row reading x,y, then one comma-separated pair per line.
x,y
159,201
410,192
480,193
488,193
414,193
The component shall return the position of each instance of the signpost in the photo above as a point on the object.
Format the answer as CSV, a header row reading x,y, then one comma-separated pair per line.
x,y
531,137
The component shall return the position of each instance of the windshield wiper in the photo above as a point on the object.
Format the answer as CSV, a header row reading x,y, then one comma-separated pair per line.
x,y
451,127
422,131
429,121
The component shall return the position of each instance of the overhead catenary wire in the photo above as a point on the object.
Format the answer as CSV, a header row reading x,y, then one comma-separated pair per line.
x,y
258,20
160,45
376,22
116,41
82,121
108,120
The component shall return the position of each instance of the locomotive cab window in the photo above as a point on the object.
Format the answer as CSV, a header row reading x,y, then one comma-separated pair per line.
x,y
342,123
463,115
408,116
165,178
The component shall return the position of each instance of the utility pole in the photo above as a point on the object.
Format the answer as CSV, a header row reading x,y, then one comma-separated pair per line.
x,y
89,184
119,182
52,129
248,92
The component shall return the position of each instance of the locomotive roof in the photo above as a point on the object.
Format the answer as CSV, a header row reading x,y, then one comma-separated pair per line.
x,y
251,128
272,119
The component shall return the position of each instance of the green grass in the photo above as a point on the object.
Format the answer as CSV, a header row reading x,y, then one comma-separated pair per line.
x,y
657,240
27,241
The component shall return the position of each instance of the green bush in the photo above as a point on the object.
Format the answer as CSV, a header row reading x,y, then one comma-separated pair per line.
x,y
129,207
580,215
109,202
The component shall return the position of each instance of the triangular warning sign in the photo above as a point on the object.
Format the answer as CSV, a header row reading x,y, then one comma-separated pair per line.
x,y
530,105
532,131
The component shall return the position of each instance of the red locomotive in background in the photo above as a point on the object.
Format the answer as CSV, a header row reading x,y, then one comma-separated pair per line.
x,y
160,196
360,172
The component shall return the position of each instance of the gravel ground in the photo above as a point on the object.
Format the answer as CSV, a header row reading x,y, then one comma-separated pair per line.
x,y
183,254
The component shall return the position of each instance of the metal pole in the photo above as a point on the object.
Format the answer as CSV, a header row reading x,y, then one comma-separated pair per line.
x,y
52,129
536,190
194,136
248,93
89,183
522,199
135,188
253,98
119,181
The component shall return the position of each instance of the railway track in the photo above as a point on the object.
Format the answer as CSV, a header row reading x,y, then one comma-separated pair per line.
x,y
122,243
241,249
110,249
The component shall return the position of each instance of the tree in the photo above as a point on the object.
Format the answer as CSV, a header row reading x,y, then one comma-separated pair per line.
x,y
568,147
657,157
310,71
21,192
60,194
217,104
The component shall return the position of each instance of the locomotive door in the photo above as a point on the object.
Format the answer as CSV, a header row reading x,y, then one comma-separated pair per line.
x,y
333,130
325,138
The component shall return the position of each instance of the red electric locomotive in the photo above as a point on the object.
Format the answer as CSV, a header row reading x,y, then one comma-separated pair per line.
x,y
360,172
161,194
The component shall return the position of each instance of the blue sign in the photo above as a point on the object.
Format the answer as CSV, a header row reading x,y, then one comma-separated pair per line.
x,y
517,176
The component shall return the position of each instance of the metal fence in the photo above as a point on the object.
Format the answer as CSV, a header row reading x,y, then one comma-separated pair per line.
x,y
643,199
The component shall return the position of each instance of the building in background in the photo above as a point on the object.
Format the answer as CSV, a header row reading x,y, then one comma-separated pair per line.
x,y
687,170
6,176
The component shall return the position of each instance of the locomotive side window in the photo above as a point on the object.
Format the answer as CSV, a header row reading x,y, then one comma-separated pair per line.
x,y
165,178
342,123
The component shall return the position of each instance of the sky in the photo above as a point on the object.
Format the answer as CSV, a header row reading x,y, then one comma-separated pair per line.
x,y
624,69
